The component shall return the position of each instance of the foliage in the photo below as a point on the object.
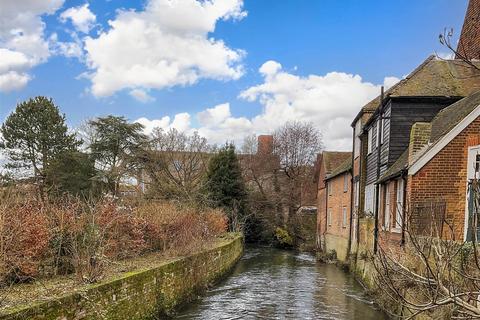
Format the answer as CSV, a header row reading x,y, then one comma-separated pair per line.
x,y
34,134
283,237
114,146
72,173
225,187
38,239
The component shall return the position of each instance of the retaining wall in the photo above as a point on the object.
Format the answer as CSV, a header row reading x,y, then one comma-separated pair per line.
x,y
142,294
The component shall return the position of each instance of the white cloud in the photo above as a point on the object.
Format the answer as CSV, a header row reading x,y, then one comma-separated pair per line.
x,y
82,18
22,41
141,95
214,116
330,102
165,45
389,82
181,122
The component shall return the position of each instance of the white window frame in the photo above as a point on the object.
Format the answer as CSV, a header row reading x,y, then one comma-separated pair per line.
x,y
357,194
329,188
357,141
329,217
399,206
382,127
370,198
370,140
345,182
378,133
387,211
344,217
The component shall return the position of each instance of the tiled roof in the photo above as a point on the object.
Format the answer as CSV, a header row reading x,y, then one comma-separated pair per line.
x,y
449,117
345,166
332,159
396,168
433,78
442,124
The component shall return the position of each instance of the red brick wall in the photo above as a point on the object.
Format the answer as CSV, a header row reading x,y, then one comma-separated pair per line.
x,y
469,44
444,178
336,201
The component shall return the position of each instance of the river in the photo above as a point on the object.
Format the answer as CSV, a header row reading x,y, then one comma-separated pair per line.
x,y
275,284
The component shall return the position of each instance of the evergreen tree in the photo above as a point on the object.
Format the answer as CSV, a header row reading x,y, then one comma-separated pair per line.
x,y
115,144
225,186
72,173
34,135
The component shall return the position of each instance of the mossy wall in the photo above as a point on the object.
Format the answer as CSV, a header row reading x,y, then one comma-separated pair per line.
x,y
142,294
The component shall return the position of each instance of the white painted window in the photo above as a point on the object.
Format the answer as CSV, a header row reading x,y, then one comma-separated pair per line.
x,y
370,140
399,206
370,198
378,133
382,127
357,142
329,216
344,217
357,194
386,212
345,182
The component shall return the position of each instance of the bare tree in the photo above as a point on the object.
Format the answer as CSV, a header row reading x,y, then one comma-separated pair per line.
x,y
445,39
435,273
297,144
175,163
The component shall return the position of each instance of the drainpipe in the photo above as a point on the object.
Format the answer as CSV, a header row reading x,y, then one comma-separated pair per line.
x,y
326,217
404,178
349,247
377,185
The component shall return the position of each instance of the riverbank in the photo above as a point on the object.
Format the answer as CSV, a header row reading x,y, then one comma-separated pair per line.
x,y
146,287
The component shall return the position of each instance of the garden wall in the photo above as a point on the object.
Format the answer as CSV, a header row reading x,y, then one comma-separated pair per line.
x,y
142,294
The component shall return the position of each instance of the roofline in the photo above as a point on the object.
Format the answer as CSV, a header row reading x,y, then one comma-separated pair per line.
x,y
443,141
392,176
329,177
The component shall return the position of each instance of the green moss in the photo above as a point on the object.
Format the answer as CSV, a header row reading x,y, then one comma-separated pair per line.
x,y
141,294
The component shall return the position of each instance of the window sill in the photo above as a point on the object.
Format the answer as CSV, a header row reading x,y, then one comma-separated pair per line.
x,y
397,230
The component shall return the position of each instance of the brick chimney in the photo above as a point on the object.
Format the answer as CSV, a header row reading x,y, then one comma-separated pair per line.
x,y
265,144
419,137
469,43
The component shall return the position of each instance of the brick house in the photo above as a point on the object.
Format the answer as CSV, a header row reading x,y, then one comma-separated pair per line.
x,y
437,168
338,203
469,43
331,163
382,132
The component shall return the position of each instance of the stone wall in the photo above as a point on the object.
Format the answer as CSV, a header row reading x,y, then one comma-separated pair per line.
x,y
142,294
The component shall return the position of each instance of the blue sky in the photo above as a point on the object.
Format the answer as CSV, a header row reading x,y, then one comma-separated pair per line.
x,y
318,50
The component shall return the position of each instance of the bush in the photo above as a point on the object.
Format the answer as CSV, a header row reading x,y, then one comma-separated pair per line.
x,y
283,237
66,236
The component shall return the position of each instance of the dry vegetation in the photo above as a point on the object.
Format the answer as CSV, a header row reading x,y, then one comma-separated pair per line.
x,y
68,242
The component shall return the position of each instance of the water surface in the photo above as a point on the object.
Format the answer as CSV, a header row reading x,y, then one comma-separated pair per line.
x,y
275,284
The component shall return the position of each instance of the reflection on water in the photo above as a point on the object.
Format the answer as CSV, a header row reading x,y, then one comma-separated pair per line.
x,y
275,284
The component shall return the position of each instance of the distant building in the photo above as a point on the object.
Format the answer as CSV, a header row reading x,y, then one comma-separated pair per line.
x,y
331,175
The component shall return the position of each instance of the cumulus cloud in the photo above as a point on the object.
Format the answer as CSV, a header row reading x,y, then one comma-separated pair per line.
x,y
141,95
82,18
180,122
22,41
330,102
164,45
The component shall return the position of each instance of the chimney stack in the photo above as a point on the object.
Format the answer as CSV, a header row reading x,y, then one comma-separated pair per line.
x,y
469,43
265,144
